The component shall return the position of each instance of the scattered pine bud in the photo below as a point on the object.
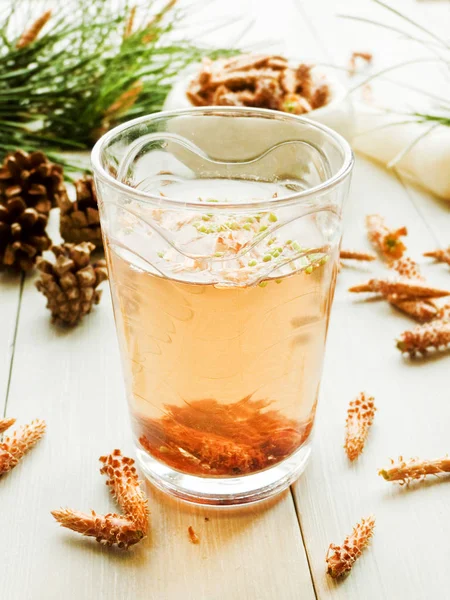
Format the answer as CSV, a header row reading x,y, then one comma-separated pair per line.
x,y
355,255
125,487
406,471
385,240
340,559
424,337
403,289
407,268
421,310
193,536
441,255
13,448
6,424
356,58
443,313
408,291
107,529
112,529
360,417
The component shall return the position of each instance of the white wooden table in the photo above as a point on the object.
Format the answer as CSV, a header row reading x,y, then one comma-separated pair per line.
x,y
72,378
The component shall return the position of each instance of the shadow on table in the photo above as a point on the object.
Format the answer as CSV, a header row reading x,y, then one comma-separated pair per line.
x,y
136,554
215,526
430,357
416,486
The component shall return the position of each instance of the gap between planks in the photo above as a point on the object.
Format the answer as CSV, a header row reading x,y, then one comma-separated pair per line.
x,y
308,558
12,345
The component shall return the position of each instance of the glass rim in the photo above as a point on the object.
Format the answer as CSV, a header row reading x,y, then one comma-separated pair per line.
x,y
333,181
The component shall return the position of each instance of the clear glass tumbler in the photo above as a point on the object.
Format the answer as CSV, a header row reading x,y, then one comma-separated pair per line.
x,y
222,230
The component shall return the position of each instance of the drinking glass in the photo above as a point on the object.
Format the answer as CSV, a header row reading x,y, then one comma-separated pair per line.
x,y
221,231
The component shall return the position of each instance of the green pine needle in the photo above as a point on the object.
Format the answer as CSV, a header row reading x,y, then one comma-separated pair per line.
x,y
438,47
72,82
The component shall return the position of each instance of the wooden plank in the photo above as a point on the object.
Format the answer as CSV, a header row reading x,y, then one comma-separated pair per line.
x,y
436,214
72,378
412,398
413,412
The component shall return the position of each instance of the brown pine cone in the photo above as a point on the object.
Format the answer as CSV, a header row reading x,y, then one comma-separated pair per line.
x,y
80,220
34,179
70,283
22,234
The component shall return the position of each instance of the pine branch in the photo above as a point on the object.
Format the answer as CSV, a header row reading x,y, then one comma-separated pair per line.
x,y
58,82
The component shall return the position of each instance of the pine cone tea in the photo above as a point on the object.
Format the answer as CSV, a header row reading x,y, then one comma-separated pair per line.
x,y
211,392
70,283
223,251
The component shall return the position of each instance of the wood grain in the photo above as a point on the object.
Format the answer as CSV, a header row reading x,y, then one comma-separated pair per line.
x,y
10,292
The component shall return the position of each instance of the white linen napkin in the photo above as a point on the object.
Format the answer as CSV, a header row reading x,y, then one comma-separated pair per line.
x,y
427,163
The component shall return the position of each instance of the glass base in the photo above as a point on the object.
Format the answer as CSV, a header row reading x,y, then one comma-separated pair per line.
x,y
227,491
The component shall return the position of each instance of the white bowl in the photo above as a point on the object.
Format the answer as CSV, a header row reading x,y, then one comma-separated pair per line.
x,y
337,114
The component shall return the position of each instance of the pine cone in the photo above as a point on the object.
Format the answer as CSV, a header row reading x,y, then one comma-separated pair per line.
x,y
80,220
34,179
22,234
70,283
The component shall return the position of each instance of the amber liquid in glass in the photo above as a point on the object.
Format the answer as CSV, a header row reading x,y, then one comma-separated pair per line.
x,y
223,381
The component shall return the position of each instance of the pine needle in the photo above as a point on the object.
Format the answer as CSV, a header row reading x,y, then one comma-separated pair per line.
x,y
437,46
402,32
399,65
411,22
410,146
58,83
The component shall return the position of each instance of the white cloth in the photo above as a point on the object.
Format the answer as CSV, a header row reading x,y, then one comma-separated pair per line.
x,y
427,163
